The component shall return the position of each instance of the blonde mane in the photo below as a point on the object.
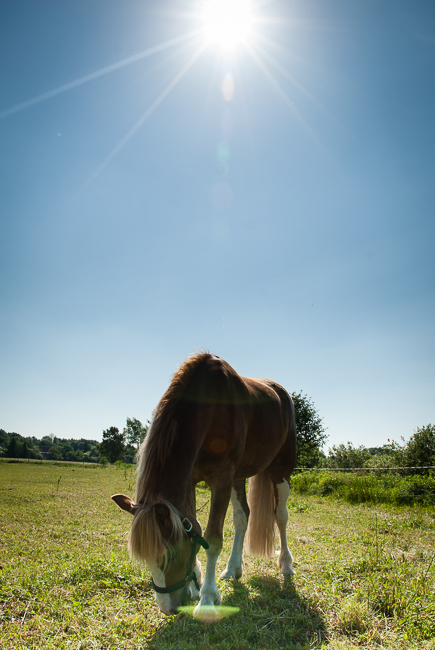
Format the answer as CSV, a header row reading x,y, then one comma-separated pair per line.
x,y
156,447
146,541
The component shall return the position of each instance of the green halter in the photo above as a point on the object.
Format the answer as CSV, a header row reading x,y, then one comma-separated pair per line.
x,y
191,575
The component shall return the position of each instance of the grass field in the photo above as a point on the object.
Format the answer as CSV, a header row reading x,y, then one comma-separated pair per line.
x,y
364,575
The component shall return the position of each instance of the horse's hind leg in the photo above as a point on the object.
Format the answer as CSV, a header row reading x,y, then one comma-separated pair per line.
x,y
285,560
240,520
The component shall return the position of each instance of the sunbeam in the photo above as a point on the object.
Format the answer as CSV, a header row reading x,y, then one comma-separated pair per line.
x,y
287,75
98,73
143,118
279,90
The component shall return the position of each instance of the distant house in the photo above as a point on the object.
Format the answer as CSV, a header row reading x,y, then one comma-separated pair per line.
x,y
45,451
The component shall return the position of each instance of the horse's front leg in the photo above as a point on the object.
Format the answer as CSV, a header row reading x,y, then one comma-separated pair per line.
x,y
209,595
194,592
240,519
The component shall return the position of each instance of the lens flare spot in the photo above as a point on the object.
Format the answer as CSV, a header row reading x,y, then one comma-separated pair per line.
x,y
223,170
223,152
228,87
218,446
208,614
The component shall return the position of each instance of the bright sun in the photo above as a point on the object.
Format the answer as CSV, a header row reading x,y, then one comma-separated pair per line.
x,y
227,23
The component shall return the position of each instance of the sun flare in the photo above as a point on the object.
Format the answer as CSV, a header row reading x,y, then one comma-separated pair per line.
x,y
227,23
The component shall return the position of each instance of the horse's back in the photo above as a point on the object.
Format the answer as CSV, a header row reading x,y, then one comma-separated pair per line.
x,y
248,423
271,436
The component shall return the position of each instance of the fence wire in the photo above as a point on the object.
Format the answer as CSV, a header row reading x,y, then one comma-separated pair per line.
x,y
359,469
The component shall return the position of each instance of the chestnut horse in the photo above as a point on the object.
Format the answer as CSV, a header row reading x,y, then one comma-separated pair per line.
x,y
215,426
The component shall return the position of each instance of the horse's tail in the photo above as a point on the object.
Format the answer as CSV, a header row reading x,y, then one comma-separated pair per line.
x,y
260,536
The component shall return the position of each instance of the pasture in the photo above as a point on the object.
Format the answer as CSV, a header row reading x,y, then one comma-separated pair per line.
x,y
364,574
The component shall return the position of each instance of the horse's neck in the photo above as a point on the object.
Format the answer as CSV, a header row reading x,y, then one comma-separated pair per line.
x,y
174,486
168,475
174,479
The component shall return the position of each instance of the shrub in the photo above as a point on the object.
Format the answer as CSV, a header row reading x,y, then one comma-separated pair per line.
x,y
420,450
370,488
348,456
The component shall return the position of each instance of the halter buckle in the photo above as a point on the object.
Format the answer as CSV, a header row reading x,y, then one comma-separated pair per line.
x,y
187,525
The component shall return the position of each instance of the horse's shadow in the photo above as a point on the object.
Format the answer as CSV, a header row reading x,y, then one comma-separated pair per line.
x,y
271,615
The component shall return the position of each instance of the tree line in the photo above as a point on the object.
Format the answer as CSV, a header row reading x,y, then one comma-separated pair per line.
x,y
122,445
115,446
50,447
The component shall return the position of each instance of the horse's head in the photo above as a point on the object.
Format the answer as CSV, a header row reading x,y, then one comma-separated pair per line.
x,y
167,543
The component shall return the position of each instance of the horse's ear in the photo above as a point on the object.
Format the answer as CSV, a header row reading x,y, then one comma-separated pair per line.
x,y
162,513
125,503
168,523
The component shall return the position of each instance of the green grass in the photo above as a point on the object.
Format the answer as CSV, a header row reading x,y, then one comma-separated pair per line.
x,y
388,488
365,575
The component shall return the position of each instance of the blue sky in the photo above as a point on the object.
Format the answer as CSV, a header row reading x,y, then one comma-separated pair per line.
x,y
287,227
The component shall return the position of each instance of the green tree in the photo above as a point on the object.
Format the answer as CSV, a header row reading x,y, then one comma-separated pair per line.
x,y
113,445
12,451
29,449
56,452
348,456
67,450
311,434
4,440
46,441
389,455
420,449
135,431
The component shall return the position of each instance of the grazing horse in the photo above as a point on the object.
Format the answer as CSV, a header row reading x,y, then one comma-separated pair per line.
x,y
215,426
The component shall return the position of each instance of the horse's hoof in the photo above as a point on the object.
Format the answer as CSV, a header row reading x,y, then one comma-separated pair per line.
x,y
206,613
287,570
231,574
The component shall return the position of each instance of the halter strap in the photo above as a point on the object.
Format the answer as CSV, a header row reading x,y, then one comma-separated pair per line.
x,y
191,575
188,527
